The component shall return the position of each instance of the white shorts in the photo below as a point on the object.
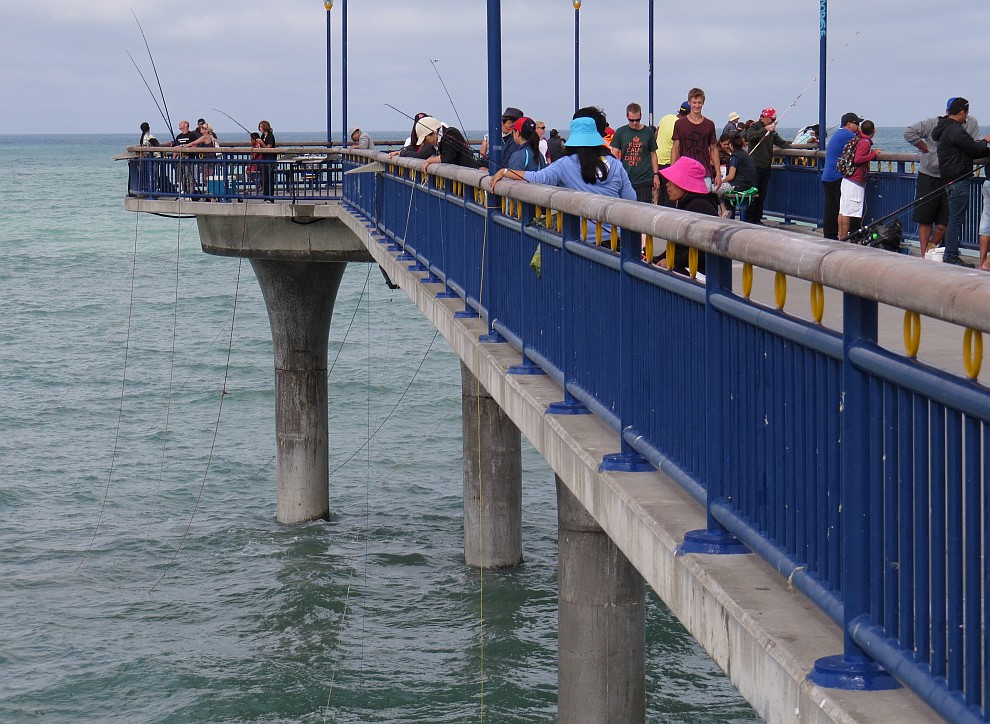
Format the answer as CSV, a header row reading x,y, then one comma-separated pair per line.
x,y
851,199
985,216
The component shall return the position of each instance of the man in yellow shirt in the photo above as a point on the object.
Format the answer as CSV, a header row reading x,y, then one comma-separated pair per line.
x,y
665,141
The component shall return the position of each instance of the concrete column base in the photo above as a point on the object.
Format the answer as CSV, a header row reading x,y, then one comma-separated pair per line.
x,y
300,298
601,636
492,479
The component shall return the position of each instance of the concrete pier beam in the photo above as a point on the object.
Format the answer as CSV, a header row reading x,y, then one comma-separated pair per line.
x,y
300,298
492,479
601,634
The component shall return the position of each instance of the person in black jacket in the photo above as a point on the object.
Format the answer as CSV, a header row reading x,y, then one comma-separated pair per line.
x,y
687,191
956,151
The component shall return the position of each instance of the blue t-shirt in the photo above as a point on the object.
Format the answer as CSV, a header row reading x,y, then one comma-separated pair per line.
x,y
567,173
832,152
522,157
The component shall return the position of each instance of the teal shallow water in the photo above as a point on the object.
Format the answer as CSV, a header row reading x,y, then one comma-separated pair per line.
x,y
370,617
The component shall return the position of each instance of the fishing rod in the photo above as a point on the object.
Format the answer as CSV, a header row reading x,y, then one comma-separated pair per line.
x,y
863,231
810,83
435,70
167,115
233,119
167,125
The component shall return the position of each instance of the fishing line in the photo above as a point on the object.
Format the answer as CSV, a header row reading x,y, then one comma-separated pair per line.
x,y
350,323
216,433
391,411
120,407
437,71
168,394
168,117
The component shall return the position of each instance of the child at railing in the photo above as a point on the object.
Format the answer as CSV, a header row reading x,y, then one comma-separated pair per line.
x,y
254,177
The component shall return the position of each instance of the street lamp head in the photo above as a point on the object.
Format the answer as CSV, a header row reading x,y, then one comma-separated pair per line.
x,y
577,4
328,4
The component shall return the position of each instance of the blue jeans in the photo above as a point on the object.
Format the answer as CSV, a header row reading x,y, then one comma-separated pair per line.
x,y
958,204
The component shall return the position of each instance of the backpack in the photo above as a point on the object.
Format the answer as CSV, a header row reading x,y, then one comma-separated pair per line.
x,y
846,163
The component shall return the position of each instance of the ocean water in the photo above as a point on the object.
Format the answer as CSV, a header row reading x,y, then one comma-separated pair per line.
x,y
143,575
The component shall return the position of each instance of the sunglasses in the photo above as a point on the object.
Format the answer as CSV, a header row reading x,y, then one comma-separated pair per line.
x,y
634,120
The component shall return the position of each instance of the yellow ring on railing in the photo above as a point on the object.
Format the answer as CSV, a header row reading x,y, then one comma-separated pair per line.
x,y
912,333
817,302
692,262
538,214
649,249
505,203
584,229
972,353
747,280
671,249
519,210
560,222
780,289
613,238
598,234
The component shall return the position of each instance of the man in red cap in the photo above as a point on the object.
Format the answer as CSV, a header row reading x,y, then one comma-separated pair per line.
x,y
762,137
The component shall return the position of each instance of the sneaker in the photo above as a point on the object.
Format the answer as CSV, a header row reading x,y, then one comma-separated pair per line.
x,y
956,261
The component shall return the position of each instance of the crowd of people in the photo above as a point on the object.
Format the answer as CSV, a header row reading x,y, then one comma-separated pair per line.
x,y
681,162
192,180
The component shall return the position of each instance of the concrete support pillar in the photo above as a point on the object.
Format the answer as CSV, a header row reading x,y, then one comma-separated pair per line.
x,y
601,636
492,479
300,298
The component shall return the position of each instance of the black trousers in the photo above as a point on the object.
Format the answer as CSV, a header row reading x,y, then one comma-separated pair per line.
x,y
754,214
830,221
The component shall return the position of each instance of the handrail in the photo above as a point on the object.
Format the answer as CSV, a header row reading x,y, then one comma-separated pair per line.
x,y
941,291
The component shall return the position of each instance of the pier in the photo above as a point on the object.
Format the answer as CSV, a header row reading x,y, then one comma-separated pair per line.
x,y
765,447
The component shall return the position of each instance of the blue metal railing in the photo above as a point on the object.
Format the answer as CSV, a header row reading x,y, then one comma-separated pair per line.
x,y
856,472
234,176
796,194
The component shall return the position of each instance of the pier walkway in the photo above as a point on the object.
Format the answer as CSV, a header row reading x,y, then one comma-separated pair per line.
x,y
789,450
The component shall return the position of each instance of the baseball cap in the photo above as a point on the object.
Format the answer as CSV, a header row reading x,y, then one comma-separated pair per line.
x,y
768,112
850,118
685,107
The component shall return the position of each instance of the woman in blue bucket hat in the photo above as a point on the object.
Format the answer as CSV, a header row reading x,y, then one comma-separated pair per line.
x,y
586,165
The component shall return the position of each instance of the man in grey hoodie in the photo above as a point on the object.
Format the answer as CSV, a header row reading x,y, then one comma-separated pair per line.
x,y
935,211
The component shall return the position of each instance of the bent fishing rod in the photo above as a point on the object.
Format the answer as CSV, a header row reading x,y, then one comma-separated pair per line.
x,y
233,119
862,231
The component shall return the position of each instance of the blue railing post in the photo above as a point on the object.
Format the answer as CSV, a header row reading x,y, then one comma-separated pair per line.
x,y
854,669
627,460
714,539
571,232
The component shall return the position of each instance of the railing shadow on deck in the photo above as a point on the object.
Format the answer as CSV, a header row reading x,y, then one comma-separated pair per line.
x,y
853,470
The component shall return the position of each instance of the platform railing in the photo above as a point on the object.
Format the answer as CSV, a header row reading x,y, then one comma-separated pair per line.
x,y
796,193
858,472
289,174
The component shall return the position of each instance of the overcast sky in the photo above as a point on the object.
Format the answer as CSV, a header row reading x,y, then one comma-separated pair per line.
x,y
64,67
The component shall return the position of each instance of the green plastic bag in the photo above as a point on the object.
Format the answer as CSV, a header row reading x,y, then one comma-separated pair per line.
x,y
536,263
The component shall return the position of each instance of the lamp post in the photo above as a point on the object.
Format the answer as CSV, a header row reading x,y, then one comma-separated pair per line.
x,y
343,73
650,25
822,65
577,51
328,4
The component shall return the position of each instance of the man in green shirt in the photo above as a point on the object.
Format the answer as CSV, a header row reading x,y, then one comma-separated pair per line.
x,y
636,146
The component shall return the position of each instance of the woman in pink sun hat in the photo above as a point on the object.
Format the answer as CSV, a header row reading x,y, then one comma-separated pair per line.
x,y
687,191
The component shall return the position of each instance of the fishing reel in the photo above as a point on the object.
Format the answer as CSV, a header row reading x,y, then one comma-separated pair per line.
x,y
880,236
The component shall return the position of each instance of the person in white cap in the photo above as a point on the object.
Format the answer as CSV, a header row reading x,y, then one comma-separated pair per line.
x,y
731,127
